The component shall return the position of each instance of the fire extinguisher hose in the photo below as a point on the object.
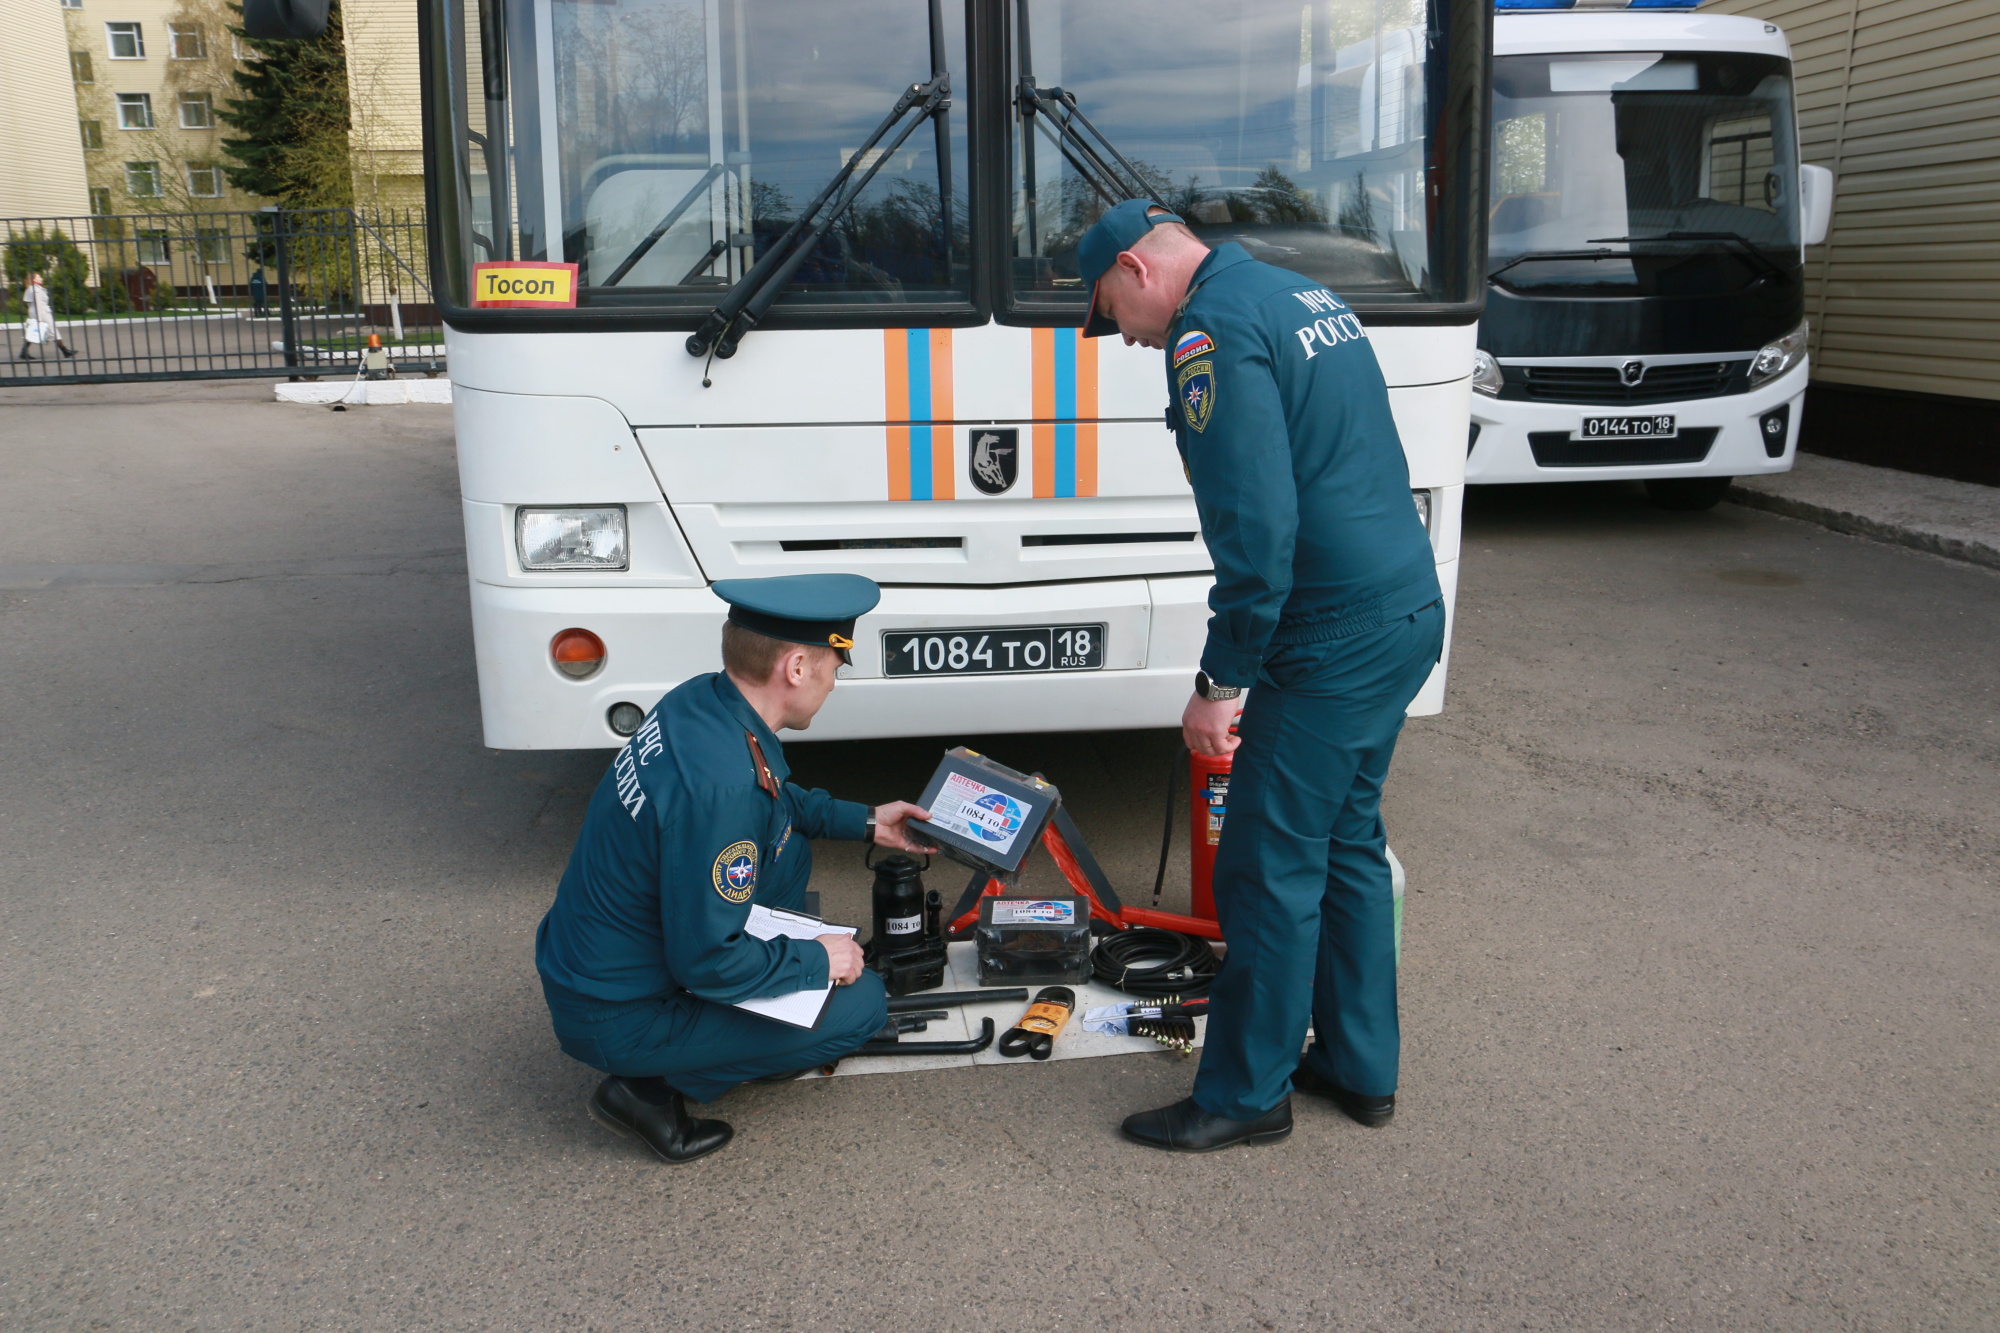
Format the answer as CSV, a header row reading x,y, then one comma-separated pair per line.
x,y
1155,964
1175,768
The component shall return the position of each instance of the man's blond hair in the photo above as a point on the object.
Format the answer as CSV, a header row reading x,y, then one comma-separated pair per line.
x,y
748,655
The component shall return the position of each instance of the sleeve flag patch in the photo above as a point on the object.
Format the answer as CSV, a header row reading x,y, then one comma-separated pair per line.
x,y
1192,344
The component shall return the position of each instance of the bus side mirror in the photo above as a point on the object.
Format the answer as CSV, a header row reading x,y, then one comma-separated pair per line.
x,y
284,20
1815,204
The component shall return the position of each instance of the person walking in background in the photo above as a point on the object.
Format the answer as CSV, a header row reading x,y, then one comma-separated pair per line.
x,y
38,321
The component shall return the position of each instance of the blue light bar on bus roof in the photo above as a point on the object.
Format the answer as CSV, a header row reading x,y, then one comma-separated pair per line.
x,y
1504,5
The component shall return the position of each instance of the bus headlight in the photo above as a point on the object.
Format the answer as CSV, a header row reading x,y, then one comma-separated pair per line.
x,y
1486,377
1774,359
571,538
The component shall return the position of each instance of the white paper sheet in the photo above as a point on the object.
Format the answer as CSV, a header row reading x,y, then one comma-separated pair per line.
x,y
802,1008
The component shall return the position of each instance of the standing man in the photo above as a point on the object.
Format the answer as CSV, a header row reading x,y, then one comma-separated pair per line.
x,y
644,953
1328,611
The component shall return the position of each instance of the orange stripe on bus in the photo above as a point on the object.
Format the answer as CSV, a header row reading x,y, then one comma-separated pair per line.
x,y
1086,411
1044,412
944,471
896,407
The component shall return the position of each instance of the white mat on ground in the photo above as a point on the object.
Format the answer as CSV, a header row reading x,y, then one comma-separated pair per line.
x,y
962,973
366,393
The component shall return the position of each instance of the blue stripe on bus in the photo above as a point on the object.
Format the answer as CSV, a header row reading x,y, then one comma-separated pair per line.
x,y
921,487
1065,368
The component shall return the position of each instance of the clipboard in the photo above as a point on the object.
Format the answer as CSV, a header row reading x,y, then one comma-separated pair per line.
x,y
803,1008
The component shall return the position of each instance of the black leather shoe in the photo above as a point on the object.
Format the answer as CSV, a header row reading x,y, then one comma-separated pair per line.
x,y
665,1127
1373,1112
1185,1127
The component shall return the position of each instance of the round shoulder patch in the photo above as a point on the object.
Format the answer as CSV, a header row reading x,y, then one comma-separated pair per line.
x,y
735,871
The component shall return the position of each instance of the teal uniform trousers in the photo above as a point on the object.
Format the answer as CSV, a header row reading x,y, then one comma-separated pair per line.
x,y
1302,883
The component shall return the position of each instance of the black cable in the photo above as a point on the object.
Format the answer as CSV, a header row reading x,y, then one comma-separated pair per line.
x,y
1174,767
1154,964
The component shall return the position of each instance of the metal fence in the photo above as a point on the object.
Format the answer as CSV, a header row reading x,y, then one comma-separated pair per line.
x,y
160,296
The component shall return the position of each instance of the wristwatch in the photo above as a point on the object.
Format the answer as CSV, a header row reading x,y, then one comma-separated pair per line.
x,y
1212,692
868,832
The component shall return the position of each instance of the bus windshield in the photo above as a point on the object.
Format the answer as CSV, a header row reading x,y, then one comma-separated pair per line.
x,y
1301,132
660,145
664,147
1642,174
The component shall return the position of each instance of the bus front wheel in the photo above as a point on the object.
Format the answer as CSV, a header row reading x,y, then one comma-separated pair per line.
x,y
1687,494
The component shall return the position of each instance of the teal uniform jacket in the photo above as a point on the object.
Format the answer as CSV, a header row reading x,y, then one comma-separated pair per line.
x,y
693,823
1282,420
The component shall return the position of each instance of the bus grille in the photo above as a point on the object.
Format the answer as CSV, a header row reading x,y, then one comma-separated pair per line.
x,y
1558,448
1601,384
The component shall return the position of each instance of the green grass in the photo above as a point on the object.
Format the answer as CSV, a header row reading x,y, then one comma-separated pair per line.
x,y
352,342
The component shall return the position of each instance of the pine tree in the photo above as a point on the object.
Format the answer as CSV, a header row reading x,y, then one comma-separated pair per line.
x,y
293,118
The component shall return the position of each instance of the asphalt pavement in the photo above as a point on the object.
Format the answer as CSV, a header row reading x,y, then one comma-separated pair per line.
x,y
1699,966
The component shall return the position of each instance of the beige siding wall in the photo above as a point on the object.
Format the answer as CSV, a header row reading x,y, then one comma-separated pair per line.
x,y
1901,99
41,150
382,83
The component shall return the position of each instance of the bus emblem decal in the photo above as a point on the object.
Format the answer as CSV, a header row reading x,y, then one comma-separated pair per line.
x,y
994,459
1631,373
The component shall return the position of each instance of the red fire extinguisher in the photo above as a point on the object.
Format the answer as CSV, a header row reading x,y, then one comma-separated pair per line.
x,y
1208,804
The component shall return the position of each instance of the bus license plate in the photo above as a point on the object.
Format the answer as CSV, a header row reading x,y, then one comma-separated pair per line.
x,y
1005,650
1626,428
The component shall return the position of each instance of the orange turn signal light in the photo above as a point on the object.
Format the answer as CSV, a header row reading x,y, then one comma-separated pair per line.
x,y
577,653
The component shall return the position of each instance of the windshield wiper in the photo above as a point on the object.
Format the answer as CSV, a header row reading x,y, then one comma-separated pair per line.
x,y
1748,246
1090,154
750,298
1535,256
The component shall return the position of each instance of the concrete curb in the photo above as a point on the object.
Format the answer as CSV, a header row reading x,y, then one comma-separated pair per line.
x,y
1973,551
367,393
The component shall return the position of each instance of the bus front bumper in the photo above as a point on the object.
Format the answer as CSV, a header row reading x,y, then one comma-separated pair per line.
x,y
1502,451
657,637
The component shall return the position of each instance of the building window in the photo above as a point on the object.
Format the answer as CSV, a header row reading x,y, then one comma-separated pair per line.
x,y
186,42
152,246
127,41
72,4
212,244
135,111
100,199
205,180
79,67
197,112
142,180
93,133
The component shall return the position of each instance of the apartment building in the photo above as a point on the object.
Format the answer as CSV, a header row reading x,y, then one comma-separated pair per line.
x,y
1901,99
149,76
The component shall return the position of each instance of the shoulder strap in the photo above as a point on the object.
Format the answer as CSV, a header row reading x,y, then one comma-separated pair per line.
x,y
764,778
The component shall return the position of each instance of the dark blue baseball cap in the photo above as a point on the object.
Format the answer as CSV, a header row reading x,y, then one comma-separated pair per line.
x,y
1118,230
802,608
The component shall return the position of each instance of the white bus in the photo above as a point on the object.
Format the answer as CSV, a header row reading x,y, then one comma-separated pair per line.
x,y
889,377
1648,212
